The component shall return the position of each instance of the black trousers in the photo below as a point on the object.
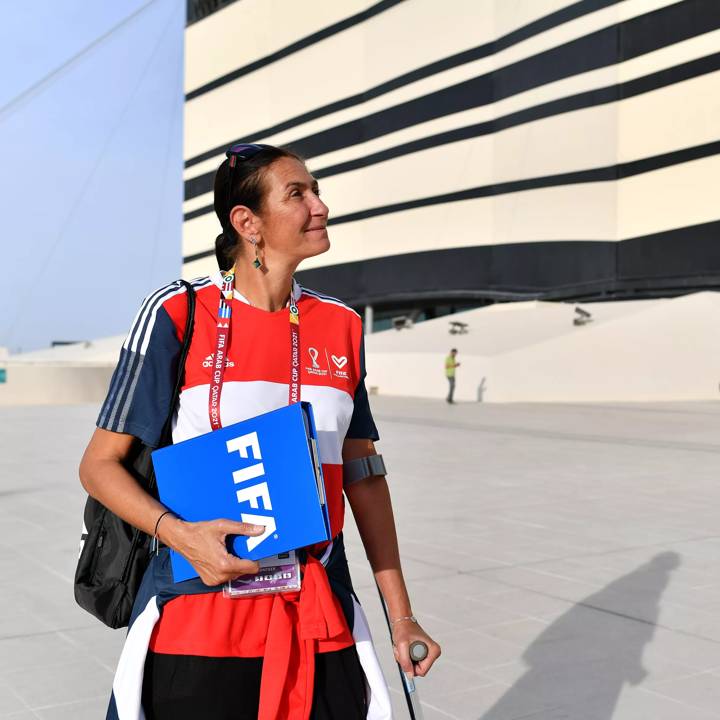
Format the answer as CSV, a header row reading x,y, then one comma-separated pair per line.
x,y
188,687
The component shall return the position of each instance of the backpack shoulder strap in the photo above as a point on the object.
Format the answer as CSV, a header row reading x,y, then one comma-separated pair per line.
x,y
165,437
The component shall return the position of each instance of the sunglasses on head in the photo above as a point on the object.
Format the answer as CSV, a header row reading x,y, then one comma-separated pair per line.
x,y
243,151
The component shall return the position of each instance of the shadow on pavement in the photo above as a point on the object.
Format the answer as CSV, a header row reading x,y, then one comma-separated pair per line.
x,y
578,666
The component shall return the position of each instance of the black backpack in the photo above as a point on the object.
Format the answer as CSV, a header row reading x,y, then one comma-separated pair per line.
x,y
113,554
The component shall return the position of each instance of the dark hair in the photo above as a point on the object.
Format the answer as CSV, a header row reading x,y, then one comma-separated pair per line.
x,y
247,189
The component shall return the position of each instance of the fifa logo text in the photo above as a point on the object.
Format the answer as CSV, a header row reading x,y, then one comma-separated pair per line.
x,y
255,493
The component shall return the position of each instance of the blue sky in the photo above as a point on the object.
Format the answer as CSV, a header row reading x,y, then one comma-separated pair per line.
x,y
91,182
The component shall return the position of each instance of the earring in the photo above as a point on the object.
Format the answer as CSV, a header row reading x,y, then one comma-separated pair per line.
x,y
256,262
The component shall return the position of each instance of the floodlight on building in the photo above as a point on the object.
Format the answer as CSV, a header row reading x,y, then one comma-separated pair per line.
x,y
583,317
458,328
402,322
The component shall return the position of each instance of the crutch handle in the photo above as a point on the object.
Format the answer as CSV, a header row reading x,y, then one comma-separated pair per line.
x,y
418,651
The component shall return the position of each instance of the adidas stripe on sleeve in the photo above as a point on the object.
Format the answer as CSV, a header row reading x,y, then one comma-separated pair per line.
x,y
138,400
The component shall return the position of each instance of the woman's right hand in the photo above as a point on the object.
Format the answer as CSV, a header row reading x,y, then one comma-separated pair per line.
x,y
204,545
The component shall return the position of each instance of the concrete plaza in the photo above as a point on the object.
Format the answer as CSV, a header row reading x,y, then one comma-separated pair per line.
x,y
567,558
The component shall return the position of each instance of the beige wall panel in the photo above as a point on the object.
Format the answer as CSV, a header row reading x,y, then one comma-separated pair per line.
x,y
206,166
30,384
682,115
419,32
546,93
433,172
677,196
603,77
673,197
671,118
251,29
629,70
373,52
574,212
554,37
636,107
366,66
668,119
569,212
568,142
564,143
457,225
199,234
536,96
564,213
506,12
309,79
453,26
531,98
691,49
201,200
633,8
199,268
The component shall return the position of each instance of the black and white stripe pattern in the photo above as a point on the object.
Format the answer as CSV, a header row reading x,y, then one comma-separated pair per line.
x,y
132,354
473,125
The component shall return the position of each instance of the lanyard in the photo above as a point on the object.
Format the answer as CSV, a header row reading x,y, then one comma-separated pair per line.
x,y
222,346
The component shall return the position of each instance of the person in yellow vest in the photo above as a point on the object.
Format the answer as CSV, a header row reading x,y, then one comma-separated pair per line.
x,y
450,365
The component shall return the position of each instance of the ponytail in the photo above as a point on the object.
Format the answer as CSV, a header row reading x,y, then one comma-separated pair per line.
x,y
225,249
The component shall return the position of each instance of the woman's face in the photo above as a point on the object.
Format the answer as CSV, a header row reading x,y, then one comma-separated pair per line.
x,y
293,219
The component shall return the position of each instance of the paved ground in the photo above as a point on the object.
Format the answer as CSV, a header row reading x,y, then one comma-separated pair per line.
x,y
566,557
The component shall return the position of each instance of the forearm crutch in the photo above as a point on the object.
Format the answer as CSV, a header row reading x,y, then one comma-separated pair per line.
x,y
418,652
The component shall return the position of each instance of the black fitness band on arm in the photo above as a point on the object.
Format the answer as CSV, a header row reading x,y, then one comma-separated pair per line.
x,y
362,468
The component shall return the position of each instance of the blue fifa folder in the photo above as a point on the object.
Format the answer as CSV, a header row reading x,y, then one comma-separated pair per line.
x,y
265,471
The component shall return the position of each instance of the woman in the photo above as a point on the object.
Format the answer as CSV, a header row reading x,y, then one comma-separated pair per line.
x,y
192,652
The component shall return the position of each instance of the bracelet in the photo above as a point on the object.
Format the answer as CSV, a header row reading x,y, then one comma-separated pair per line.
x,y
411,618
157,525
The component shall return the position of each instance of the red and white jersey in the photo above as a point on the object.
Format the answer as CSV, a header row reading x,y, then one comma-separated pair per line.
x,y
257,376
257,371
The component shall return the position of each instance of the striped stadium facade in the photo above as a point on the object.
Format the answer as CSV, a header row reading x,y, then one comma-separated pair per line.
x,y
473,150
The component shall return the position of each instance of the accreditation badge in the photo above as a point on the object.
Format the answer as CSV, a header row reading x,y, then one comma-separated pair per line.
x,y
278,573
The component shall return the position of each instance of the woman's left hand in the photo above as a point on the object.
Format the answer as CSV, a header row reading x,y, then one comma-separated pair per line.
x,y
406,632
